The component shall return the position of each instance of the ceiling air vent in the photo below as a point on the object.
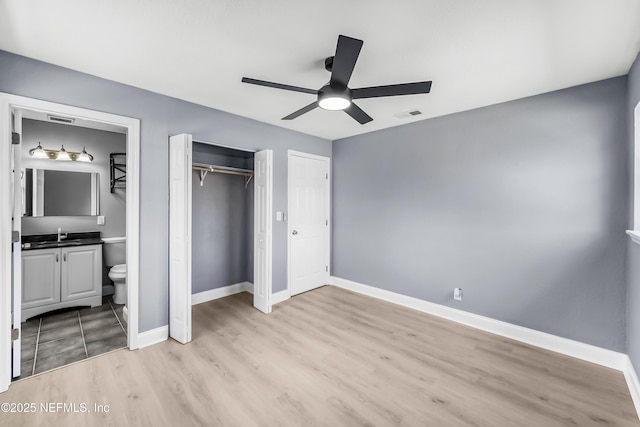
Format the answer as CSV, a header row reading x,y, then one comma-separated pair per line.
x,y
59,119
410,113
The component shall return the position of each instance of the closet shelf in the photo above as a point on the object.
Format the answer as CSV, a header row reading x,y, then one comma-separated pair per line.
x,y
204,169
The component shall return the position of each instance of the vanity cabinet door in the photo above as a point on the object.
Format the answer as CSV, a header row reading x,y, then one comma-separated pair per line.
x,y
81,272
40,277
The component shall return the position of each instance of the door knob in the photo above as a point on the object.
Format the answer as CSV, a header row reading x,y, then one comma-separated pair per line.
x,y
294,232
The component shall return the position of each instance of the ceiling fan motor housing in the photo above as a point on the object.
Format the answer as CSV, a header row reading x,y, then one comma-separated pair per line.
x,y
328,64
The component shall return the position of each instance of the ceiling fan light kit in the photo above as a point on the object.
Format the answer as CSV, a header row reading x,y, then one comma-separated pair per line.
x,y
336,95
332,98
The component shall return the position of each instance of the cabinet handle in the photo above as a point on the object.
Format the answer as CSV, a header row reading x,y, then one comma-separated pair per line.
x,y
64,257
57,260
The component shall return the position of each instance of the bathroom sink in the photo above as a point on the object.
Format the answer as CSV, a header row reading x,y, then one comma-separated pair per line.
x,y
45,241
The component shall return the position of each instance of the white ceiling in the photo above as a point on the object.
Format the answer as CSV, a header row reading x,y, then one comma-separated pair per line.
x,y
477,53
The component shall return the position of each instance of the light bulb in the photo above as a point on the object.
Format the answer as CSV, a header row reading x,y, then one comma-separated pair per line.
x,y
38,152
84,156
63,155
334,103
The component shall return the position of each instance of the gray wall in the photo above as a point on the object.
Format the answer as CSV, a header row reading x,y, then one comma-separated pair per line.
x,y
221,224
161,116
98,143
521,204
633,253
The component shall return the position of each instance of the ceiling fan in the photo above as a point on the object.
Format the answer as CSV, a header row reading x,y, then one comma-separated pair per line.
x,y
336,95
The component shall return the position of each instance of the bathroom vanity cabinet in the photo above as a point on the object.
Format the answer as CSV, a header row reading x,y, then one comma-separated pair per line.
x,y
63,277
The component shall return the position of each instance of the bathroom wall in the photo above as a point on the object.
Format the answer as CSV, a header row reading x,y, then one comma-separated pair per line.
x,y
99,143
222,243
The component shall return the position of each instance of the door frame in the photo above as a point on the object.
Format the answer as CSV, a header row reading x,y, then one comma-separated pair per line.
x,y
8,103
295,153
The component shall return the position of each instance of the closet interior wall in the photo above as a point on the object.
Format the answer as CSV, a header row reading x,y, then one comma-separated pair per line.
x,y
222,223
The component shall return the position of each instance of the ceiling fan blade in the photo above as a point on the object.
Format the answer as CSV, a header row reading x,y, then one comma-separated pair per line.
x,y
344,60
356,112
301,111
278,85
392,90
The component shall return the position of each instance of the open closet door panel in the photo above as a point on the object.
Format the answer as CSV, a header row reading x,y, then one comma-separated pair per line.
x,y
180,237
262,229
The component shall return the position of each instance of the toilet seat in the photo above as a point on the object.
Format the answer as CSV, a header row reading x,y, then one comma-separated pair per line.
x,y
120,268
118,271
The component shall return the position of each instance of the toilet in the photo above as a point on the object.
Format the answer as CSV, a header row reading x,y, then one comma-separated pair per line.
x,y
114,251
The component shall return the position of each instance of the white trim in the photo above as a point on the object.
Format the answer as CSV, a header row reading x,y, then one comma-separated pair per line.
x,y
154,336
6,259
9,102
125,313
635,236
328,213
225,291
590,353
306,155
278,297
636,168
632,382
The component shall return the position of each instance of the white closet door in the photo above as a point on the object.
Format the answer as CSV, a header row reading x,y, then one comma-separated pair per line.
x,y
263,235
180,237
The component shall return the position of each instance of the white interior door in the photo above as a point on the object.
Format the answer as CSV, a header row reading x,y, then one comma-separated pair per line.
x,y
308,222
262,230
180,237
17,247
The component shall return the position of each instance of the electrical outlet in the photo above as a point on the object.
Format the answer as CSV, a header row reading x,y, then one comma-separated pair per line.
x,y
100,219
457,294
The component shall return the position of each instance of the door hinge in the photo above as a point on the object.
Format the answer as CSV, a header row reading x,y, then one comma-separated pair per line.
x,y
327,176
327,222
15,236
15,138
326,268
15,334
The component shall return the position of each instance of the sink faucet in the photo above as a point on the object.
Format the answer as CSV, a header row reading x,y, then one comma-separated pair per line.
x,y
61,235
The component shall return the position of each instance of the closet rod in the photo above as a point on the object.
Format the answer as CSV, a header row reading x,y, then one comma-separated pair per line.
x,y
204,169
214,169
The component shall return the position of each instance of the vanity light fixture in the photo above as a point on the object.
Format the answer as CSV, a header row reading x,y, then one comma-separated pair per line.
x,y
61,154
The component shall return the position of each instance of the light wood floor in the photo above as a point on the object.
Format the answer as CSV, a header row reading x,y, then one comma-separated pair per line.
x,y
332,358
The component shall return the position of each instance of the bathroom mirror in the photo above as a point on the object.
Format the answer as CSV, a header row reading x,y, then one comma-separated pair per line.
x,y
48,192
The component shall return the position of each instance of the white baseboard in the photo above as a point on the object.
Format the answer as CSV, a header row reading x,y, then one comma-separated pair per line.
x,y
631,377
225,291
154,336
278,297
579,350
236,288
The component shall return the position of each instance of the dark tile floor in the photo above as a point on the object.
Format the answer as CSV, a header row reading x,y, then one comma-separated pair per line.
x,y
62,337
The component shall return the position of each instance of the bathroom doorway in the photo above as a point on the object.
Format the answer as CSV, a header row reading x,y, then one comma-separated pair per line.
x,y
45,333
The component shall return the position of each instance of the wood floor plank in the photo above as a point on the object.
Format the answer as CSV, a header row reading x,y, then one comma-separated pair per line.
x,y
329,357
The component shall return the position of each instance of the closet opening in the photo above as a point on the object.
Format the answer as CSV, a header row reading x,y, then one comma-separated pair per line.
x,y
220,232
222,221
